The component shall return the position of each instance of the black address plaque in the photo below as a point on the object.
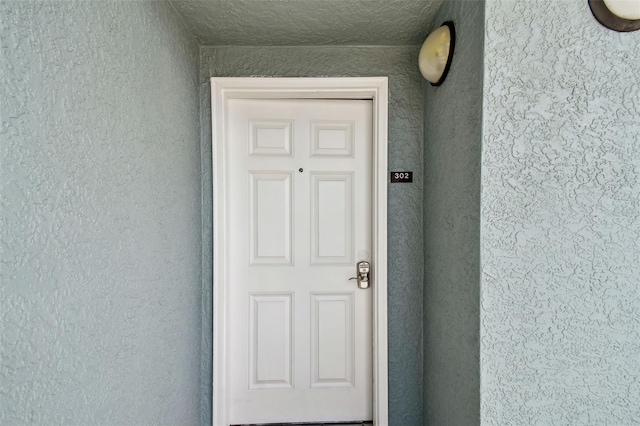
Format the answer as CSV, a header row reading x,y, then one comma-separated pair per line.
x,y
401,177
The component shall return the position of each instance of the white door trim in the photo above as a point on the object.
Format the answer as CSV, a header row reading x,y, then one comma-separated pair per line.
x,y
374,88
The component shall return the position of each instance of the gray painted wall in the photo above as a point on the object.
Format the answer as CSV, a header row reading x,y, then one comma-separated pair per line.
x,y
405,200
101,223
453,136
100,231
308,22
560,333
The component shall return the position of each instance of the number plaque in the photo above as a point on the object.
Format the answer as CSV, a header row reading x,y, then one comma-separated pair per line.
x,y
401,177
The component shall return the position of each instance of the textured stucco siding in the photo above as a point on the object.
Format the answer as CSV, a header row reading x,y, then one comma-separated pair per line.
x,y
560,327
100,223
405,200
308,22
453,137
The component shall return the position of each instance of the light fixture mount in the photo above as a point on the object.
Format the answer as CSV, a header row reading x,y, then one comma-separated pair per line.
x,y
618,15
436,53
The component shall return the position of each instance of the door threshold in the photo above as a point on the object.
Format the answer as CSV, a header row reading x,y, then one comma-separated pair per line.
x,y
353,423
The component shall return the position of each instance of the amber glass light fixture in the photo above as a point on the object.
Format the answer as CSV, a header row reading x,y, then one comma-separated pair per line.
x,y
436,54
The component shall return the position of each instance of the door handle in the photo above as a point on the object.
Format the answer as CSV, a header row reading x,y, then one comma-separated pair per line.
x,y
362,270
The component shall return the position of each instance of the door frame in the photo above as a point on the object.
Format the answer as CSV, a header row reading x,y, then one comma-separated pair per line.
x,y
377,90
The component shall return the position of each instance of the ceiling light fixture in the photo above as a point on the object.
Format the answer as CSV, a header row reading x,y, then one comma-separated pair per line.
x,y
618,15
436,54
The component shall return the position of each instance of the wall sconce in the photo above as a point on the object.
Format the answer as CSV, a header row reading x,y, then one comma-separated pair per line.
x,y
618,15
436,54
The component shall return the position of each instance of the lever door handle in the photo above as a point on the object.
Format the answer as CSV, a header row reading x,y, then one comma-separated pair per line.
x,y
362,270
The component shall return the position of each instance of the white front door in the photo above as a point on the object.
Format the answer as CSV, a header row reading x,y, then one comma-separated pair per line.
x,y
299,194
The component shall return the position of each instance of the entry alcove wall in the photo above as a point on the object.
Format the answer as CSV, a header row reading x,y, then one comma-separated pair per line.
x,y
405,245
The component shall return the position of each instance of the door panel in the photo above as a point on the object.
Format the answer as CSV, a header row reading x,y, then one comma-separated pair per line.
x,y
271,223
332,340
270,336
332,230
299,208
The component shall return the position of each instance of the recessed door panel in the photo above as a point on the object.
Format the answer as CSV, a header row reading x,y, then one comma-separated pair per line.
x,y
271,218
270,137
332,344
270,351
331,138
332,218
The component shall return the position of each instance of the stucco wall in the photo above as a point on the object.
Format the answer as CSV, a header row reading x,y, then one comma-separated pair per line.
x,y
100,231
405,200
560,330
453,136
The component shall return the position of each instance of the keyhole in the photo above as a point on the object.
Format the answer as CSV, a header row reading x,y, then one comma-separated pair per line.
x,y
300,170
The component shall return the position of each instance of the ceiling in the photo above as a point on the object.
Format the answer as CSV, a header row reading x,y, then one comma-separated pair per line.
x,y
308,22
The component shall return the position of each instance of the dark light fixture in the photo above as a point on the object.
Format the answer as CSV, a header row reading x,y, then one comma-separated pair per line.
x,y
618,15
436,54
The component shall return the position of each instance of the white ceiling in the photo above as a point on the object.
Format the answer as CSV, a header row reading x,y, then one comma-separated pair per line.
x,y
308,22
